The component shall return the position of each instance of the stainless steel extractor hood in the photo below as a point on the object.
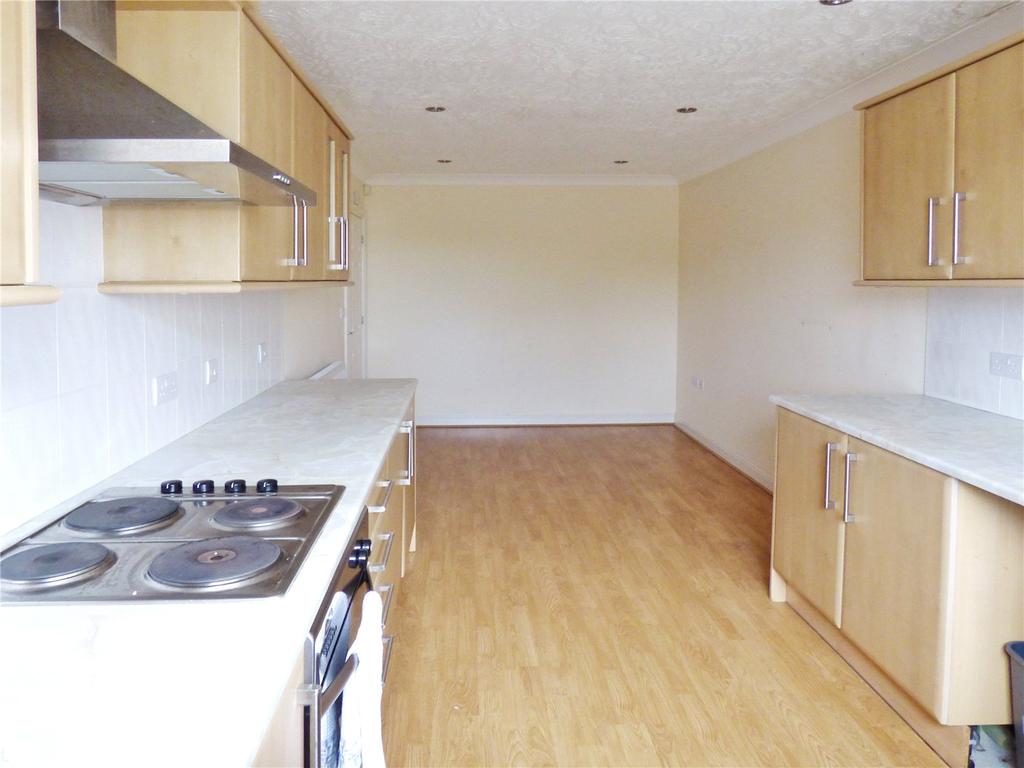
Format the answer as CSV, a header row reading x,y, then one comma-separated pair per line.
x,y
104,136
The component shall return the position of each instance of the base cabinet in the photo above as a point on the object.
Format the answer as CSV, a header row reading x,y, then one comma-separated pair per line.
x,y
896,576
924,581
809,533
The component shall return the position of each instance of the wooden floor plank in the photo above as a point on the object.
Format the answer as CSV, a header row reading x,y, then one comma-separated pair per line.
x,y
586,596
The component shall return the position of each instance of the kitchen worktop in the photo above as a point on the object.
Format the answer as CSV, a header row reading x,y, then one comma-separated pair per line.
x,y
194,683
977,447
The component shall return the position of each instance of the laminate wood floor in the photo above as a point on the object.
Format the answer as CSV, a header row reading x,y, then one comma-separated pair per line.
x,y
597,596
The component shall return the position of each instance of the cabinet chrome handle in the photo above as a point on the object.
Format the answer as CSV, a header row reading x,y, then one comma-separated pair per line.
x,y
847,515
305,234
389,643
958,198
282,179
375,509
932,202
344,242
319,701
409,428
388,539
829,448
294,260
388,592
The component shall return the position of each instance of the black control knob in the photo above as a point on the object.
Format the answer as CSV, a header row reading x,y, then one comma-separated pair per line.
x,y
266,485
234,486
171,486
360,554
203,486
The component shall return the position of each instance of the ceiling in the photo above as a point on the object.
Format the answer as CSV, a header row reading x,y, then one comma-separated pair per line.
x,y
566,88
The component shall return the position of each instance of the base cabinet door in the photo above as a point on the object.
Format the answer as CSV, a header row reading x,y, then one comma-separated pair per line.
x,y
896,585
809,532
283,743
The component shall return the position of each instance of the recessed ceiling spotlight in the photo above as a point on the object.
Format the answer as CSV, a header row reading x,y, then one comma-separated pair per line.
x,y
620,162
834,2
691,110
444,161
442,109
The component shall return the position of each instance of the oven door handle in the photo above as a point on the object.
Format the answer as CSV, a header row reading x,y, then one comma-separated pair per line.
x,y
319,702
337,686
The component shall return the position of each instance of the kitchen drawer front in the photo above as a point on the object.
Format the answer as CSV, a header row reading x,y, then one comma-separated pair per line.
x,y
386,533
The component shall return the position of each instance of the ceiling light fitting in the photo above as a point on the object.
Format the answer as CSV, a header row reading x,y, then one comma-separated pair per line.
x,y
686,110
436,109
444,161
620,162
834,2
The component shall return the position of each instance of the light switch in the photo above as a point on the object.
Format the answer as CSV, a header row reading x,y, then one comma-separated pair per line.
x,y
211,370
261,352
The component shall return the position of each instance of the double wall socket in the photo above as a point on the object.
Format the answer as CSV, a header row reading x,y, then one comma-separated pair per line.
x,y
164,388
1006,365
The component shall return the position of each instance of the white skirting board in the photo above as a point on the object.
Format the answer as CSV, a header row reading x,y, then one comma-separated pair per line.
x,y
551,420
758,475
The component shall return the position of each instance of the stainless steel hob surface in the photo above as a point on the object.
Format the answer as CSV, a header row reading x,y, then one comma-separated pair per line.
x,y
231,541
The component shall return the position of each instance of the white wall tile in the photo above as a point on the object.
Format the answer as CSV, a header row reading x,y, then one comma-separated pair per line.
x,y
75,376
965,326
84,437
82,342
28,343
29,461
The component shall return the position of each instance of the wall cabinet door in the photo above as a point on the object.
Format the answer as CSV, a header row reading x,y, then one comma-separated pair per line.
x,y
337,264
312,168
908,181
19,196
809,533
896,586
266,96
990,166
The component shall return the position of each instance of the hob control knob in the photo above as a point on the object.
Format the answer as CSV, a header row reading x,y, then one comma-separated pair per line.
x,y
266,485
360,554
171,486
203,486
234,486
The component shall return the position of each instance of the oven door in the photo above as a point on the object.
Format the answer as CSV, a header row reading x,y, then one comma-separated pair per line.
x,y
327,665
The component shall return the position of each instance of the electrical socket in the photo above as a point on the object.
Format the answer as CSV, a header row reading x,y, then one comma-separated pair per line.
x,y
1006,365
211,370
261,353
164,388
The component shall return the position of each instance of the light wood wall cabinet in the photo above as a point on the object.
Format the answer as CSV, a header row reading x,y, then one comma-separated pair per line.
x,y
944,175
913,576
215,62
19,181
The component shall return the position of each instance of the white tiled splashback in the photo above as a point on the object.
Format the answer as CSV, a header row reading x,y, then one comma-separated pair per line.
x,y
75,376
965,325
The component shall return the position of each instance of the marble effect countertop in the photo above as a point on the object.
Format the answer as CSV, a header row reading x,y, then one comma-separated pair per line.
x,y
980,448
159,684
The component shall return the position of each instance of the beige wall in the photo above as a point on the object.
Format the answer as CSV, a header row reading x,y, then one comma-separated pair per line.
x,y
526,304
769,247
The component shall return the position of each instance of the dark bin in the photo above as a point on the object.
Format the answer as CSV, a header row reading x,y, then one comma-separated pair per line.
x,y
1016,651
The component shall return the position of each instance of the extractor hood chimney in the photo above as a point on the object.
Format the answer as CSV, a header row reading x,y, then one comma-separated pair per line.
x,y
106,137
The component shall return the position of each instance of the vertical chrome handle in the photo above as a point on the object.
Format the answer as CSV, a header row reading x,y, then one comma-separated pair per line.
x,y
376,509
305,234
409,428
847,515
829,448
389,643
388,539
294,260
958,197
309,696
932,202
344,242
387,591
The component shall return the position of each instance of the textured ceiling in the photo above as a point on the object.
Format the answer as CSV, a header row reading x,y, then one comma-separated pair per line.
x,y
568,87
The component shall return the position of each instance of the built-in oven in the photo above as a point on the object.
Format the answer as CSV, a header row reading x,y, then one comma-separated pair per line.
x,y
328,665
